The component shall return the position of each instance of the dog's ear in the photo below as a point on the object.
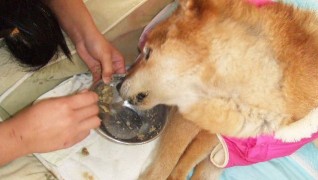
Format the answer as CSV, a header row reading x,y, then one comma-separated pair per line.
x,y
194,7
186,4
199,7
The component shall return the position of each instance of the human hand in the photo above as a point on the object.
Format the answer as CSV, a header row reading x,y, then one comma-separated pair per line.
x,y
100,56
56,123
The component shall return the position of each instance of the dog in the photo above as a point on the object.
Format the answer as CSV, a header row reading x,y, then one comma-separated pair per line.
x,y
227,69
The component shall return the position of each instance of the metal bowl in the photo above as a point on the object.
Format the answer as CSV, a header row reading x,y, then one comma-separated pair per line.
x,y
122,122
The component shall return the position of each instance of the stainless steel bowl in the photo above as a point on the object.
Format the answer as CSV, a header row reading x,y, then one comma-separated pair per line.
x,y
123,123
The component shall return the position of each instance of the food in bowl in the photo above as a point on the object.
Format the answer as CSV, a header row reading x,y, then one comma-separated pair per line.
x,y
122,122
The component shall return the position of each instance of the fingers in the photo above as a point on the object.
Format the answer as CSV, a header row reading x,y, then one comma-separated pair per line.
x,y
107,68
118,62
101,58
90,123
88,117
87,112
82,99
112,62
93,65
88,120
84,127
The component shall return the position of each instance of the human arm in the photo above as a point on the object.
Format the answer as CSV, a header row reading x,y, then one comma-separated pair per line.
x,y
48,125
93,48
10,148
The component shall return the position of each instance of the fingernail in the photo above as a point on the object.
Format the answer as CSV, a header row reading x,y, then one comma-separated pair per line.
x,y
106,79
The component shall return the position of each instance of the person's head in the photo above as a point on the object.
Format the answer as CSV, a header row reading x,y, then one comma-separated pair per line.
x,y
31,32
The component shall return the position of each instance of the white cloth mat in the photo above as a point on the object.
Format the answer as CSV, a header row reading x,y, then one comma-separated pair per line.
x,y
105,159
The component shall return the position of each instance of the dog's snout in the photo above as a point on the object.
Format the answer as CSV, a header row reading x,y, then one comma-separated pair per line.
x,y
141,96
118,86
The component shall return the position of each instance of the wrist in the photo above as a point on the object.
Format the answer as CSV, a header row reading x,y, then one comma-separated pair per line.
x,y
85,35
12,146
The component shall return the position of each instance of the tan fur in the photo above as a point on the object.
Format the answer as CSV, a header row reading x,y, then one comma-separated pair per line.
x,y
172,144
196,152
230,68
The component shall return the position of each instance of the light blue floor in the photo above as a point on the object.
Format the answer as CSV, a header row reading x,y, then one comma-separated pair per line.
x,y
286,168
309,4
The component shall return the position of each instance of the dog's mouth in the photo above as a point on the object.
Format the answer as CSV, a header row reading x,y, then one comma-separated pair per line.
x,y
138,98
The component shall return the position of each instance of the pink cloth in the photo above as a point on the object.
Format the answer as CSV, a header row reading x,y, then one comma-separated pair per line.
x,y
248,151
260,2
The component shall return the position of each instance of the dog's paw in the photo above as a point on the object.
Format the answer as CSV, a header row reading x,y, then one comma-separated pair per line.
x,y
152,174
178,175
291,134
175,178
295,132
145,176
304,128
316,143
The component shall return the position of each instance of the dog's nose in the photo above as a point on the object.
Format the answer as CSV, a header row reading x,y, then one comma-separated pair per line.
x,y
141,96
118,86
119,79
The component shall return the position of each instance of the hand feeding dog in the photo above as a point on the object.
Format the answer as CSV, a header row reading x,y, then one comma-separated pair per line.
x,y
231,70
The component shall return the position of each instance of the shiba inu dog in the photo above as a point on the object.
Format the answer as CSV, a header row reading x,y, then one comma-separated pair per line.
x,y
229,69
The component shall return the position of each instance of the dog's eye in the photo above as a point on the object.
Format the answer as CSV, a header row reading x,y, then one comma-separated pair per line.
x,y
147,52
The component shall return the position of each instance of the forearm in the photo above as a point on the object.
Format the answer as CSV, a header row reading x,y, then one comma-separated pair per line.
x,y
73,17
11,146
99,55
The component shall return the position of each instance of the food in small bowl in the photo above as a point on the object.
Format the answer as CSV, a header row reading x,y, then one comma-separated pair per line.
x,y
122,122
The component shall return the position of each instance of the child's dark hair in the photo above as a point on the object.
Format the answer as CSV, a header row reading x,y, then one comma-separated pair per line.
x,y
31,32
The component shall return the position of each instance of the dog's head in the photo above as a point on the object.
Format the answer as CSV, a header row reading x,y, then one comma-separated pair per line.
x,y
169,70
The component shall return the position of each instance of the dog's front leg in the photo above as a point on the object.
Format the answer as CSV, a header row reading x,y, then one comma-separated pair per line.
x,y
206,171
174,140
198,150
232,118
217,115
